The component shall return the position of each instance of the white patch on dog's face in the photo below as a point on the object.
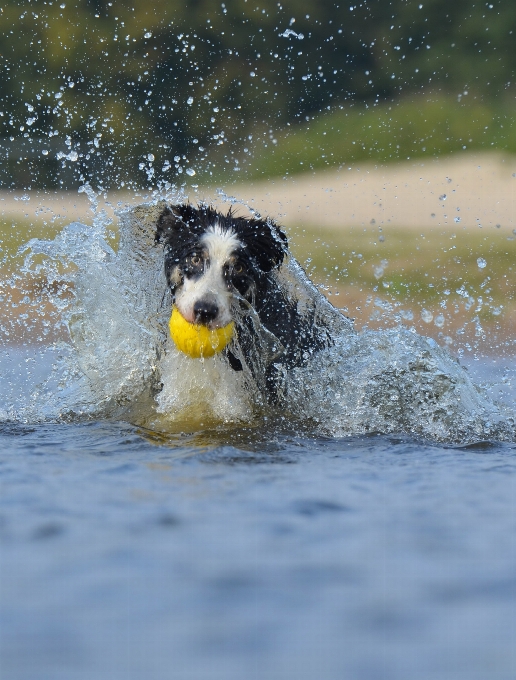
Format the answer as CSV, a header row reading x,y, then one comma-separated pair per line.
x,y
220,244
210,288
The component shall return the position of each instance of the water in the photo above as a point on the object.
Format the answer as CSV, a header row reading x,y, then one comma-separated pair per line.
x,y
244,553
364,530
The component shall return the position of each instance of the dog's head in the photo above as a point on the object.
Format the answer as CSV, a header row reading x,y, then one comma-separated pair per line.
x,y
212,259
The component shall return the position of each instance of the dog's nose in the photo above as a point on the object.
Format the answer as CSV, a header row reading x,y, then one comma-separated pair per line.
x,y
205,311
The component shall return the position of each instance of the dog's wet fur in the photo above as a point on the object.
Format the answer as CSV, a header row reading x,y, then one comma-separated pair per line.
x,y
218,265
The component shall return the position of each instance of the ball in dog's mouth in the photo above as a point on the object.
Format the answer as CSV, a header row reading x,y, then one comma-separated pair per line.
x,y
195,340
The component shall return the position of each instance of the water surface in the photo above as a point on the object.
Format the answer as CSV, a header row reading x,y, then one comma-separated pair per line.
x,y
254,552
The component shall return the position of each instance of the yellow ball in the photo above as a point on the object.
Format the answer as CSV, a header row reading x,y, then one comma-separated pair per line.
x,y
195,340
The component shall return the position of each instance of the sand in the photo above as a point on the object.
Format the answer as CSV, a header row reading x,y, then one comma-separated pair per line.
x,y
469,190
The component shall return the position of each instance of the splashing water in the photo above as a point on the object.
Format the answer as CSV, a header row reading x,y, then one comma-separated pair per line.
x,y
117,361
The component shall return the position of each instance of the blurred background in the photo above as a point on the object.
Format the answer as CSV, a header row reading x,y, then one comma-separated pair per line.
x,y
147,91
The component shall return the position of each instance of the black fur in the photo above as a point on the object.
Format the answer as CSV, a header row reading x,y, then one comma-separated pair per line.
x,y
180,228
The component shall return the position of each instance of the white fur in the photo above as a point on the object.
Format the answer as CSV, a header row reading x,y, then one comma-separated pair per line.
x,y
203,391
218,245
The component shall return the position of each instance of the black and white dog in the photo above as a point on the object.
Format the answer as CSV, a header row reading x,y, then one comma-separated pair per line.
x,y
292,353
222,268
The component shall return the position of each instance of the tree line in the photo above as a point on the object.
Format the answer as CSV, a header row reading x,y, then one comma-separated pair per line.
x,y
100,91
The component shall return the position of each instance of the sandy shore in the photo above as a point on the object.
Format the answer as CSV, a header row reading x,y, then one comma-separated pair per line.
x,y
478,189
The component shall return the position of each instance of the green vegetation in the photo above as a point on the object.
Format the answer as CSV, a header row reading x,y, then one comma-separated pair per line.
x,y
427,125
139,93
17,232
454,277
416,266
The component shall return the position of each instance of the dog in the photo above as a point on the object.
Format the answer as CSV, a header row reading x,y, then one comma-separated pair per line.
x,y
292,357
223,268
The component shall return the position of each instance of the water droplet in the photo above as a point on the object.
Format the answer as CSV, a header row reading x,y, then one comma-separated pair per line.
x,y
190,171
147,35
189,101
456,220
442,197
439,321
481,263
426,315
379,270
288,32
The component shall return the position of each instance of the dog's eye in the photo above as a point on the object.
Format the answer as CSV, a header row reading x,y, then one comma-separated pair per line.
x,y
238,268
193,265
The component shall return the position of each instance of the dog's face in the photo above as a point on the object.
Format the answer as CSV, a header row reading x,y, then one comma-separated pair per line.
x,y
211,260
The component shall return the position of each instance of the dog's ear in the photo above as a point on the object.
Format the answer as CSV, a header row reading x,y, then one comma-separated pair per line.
x,y
266,243
171,228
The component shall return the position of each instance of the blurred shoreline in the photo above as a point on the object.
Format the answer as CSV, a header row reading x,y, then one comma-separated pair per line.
x,y
457,191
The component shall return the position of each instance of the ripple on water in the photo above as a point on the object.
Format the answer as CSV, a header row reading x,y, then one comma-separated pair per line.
x,y
120,553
